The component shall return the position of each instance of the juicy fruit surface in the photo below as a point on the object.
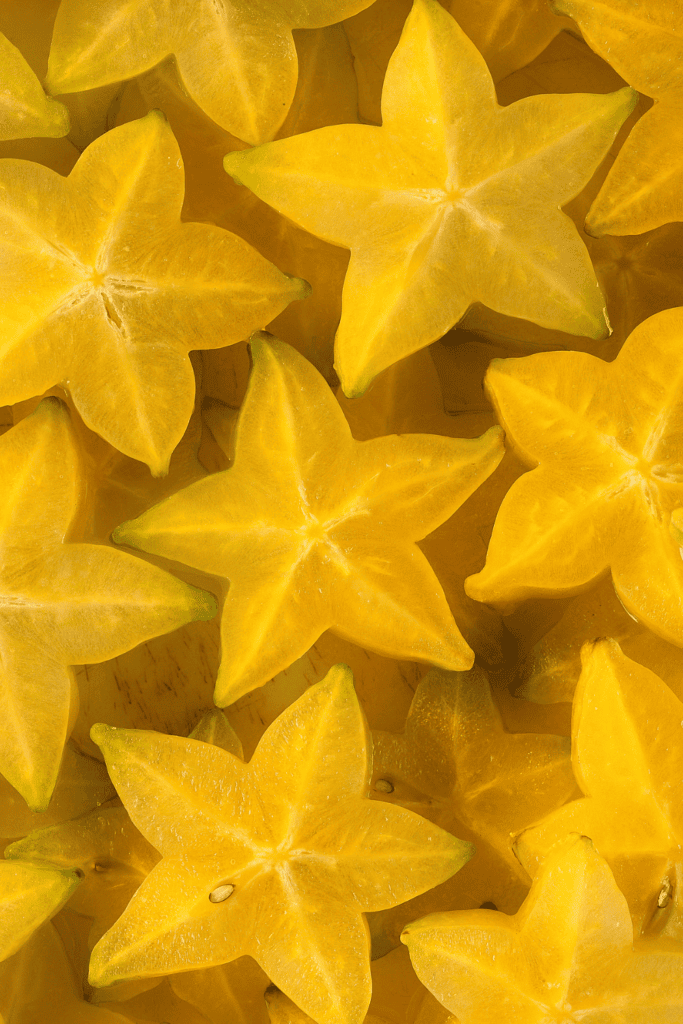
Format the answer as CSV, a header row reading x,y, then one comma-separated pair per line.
x,y
232,850
400,391
303,548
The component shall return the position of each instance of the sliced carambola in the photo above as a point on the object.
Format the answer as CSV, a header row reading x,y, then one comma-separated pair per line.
x,y
607,447
454,200
62,603
105,291
318,531
567,954
277,859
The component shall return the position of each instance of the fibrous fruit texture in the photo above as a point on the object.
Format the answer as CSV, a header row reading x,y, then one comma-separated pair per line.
x,y
341,512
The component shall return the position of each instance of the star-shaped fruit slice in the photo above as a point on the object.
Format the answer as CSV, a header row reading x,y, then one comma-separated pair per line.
x,y
277,859
317,531
233,992
63,603
457,765
454,200
105,291
326,94
567,955
627,752
552,667
507,33
252,45
110,855
82,784
25,111
407,398
644,44
606,442
30,894
105,849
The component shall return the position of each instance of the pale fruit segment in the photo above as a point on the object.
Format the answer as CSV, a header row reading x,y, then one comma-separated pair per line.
x,y
29,895
39,983
25,111
459,766
644,43
252,45
63,603
107,852
121,289
237,988
448,173
82,783
259,859
605,439
552,666
507,33
629,775
569,946
316,531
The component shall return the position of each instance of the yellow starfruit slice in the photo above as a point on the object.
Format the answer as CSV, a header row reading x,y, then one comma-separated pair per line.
x,y
567,955
25,111
159,1004
326,94
105,849
82,784
277,859
458,765
233,992
552,667
39,984
639,274
406,398
317,531
121,290
453,200
644,44
251,44
30,894
607,444
507,33
63,603
627,753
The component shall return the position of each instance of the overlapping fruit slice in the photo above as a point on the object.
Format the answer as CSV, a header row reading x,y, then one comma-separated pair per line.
x,y
326,94
29,895
82,784
251,44
25,110
627,753
63,603
639,274
606,440
316,531
38,984
406,398
567,955
507,33
453,200
105,291
277,859
457,765
644,43
552,667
